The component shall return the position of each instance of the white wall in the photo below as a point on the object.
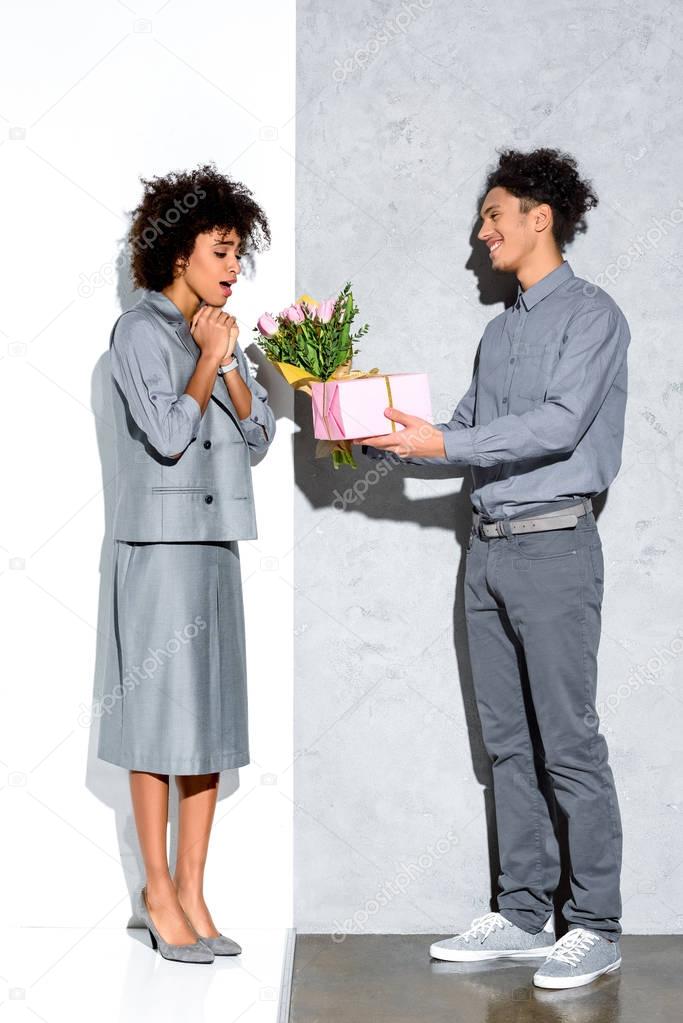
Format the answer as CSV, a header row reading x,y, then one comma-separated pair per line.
x,y
93,97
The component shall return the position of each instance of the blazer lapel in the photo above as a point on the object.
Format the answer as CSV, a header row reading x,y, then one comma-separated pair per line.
x,y
190,345
219,392
162,307
221,397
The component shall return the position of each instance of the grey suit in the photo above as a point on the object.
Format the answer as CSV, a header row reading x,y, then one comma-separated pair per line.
x,y
175,693
206,494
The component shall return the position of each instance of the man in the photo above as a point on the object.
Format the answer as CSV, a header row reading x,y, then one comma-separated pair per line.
x,y
542,428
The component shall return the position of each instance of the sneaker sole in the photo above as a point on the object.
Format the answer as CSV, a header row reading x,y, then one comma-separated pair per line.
x,y
584,978
465,956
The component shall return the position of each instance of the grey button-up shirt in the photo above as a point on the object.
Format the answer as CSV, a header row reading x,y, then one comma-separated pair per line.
x,y
542,422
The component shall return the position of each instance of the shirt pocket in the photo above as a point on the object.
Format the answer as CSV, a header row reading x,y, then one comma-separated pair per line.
x,y
532,371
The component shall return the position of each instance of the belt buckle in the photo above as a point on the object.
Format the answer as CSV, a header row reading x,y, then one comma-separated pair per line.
x,y
498,529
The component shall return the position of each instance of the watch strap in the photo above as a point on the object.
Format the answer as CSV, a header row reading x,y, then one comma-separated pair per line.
x,y
228,366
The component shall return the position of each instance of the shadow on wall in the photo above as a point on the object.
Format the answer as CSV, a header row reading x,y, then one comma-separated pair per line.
x,y
385,498
494,288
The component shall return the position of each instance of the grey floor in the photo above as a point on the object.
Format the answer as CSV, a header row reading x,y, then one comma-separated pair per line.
x,y
391,979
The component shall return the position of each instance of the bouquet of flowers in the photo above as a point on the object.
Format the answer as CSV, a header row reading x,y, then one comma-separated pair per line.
x,y
312,342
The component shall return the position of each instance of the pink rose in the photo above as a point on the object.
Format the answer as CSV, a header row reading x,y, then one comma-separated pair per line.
x,y
267,325
295,314
325,310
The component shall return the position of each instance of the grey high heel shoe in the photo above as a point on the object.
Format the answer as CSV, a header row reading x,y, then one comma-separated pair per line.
x,y
222,946
197,952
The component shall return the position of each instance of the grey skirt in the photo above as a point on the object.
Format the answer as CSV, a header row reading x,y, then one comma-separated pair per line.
x,y
174,698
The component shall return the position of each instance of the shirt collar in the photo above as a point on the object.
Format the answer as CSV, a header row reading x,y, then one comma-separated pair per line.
x,y
163,304
541,289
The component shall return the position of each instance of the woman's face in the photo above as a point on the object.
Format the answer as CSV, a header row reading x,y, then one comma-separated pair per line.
x,y
214,265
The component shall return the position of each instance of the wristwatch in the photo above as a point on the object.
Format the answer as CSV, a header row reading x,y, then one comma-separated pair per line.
x,y
228,367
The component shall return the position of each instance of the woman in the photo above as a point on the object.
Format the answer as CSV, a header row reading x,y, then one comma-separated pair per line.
x,y
187,413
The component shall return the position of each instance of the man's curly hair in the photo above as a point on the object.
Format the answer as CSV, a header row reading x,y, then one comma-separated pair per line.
x,y
546,175
176,208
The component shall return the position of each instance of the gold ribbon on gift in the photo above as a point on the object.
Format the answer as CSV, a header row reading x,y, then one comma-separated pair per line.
x,y
346,373
301,380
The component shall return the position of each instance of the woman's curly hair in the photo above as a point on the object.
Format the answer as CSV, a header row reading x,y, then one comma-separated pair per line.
x,y
176,208
547,175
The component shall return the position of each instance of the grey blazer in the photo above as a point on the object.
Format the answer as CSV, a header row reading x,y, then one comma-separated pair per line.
x,y
206,493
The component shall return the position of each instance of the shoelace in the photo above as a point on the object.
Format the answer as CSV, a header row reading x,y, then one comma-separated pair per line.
x,y
573,946
484,925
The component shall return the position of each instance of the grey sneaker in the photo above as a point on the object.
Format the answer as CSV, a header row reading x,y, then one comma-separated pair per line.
x,y
492,936
578,958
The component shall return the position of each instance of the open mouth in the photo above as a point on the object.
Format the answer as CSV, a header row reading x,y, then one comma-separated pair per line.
x,y
494,245
226,287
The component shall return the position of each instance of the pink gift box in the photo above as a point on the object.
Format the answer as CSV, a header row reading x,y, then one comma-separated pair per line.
x,y
344,409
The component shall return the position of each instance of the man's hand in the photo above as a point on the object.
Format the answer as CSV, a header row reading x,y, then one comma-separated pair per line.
x,y
419,438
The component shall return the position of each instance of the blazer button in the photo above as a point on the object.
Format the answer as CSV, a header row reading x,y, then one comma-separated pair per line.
x,y
208,498
207,444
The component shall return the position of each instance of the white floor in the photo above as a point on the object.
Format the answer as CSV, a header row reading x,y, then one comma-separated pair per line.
x,y
64,974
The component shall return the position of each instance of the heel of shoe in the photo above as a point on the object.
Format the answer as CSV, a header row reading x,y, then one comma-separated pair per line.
x,y
155,943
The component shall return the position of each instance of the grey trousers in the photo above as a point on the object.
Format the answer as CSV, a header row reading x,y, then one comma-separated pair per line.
x,y
533,607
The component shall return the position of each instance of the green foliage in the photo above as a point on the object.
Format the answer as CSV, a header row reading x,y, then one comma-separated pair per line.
x,y
316,347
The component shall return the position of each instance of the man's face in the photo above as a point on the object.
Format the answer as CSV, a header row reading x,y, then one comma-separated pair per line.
x,y
214,265
506,230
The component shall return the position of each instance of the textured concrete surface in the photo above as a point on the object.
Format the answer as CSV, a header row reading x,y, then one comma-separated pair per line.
x,y
391,978
401,108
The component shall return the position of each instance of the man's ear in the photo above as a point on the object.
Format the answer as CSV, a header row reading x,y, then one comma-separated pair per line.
x,y
543,217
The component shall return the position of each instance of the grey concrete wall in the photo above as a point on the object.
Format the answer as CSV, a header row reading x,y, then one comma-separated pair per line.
x,y
401,107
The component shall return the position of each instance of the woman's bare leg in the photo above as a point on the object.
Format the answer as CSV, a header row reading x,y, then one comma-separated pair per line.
x,y
197,796
149,794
